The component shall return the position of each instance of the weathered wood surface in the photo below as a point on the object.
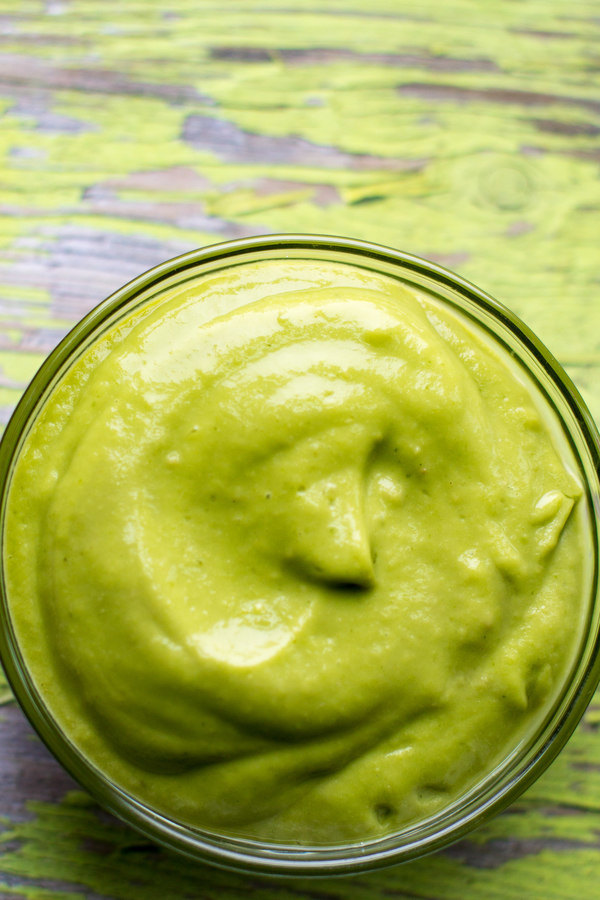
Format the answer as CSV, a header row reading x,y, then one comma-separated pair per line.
x,y
465,131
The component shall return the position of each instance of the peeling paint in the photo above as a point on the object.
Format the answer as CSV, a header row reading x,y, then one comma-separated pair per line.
x,y
5,691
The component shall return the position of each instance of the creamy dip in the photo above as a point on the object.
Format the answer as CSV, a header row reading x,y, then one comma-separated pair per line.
x,y
291,553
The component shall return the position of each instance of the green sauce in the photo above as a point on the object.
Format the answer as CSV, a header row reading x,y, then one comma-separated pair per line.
x,y
292,554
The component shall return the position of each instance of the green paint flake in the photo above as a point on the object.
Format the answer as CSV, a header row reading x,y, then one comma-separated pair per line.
x,y
37,893
9,397
115,225
525,822
245,201
24,293
228,175
20,367
5,692
593,716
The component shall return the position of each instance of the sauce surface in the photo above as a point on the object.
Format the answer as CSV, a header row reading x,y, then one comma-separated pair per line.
x,y
292,554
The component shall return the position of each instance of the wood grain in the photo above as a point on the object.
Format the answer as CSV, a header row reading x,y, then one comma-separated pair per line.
x,y
465,132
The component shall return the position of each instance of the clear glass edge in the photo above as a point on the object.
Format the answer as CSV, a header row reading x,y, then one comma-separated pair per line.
x,y
274,859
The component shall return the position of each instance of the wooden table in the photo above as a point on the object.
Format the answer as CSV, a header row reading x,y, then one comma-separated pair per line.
x,y
467,131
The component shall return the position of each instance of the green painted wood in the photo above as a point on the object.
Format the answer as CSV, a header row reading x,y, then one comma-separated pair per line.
x,y
464,131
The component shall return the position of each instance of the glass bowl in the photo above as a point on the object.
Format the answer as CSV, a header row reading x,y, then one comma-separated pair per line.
x,y
531,755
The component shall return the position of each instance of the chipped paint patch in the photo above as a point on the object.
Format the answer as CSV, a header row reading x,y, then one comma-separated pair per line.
x,y
5,692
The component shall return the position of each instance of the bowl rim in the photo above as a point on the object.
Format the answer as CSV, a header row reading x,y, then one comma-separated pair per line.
x,y
224,850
